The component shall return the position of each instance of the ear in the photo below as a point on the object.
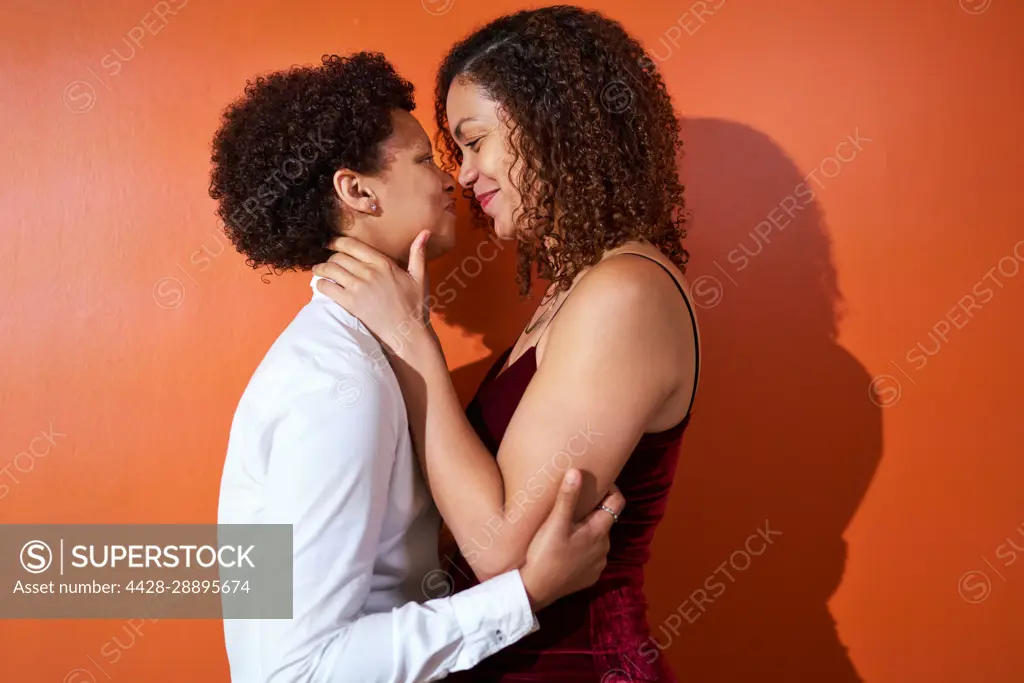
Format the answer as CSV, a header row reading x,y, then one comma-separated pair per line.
x,y
353,191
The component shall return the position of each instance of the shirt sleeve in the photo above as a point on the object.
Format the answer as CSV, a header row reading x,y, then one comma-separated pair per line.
x,y
331,459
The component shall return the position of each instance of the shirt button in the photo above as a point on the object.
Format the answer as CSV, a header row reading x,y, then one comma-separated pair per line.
x,y
500,636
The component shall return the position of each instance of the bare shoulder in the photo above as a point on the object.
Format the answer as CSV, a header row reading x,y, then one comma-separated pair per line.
x,y
629,297
634,278
628,254
627,312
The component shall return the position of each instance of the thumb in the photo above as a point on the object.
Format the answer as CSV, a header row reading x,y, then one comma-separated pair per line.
x,y
417,257
565,504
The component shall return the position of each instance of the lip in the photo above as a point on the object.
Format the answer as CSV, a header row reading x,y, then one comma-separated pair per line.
x,y
486,198
451,206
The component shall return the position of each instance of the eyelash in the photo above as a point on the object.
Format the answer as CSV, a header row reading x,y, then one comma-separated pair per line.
x,y
473,145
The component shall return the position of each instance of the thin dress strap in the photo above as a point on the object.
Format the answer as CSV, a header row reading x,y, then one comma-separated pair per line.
x,y
693,322
689,308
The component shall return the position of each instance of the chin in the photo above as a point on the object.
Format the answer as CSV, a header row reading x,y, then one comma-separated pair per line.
x,y
443,240
504,230
439,247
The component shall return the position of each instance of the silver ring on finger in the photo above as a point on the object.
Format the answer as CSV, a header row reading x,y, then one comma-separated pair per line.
x,y
613,513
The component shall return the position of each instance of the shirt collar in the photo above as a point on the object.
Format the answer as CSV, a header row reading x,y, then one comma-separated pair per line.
x,y
316,292
334,306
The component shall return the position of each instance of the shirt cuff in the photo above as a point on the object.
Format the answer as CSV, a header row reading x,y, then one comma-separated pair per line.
x,y
492,615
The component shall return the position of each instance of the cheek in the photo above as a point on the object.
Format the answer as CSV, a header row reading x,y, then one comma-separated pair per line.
x,y
414,193
511,199
431,191
500,165
425,201
509,177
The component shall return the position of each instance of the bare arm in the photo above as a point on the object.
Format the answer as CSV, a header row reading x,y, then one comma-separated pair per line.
x,y
586,407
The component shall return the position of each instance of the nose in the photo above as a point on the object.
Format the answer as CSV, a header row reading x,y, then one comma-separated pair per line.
x,y
467,172
449,182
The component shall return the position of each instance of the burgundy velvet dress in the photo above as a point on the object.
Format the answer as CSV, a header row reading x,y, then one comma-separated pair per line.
x,y
599,635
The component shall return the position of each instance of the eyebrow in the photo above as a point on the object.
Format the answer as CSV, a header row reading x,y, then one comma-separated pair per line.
x,y
458,128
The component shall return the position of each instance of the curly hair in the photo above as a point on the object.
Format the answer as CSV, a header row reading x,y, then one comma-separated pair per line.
x,y
593,124
278,146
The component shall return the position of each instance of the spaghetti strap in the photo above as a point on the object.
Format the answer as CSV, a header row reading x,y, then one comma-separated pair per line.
x,y
693,322
689,308
663,267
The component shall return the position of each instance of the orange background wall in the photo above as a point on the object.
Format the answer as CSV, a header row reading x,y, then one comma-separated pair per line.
x,y
130,327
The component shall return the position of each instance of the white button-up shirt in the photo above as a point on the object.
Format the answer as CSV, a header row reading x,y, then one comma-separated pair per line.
x,y
320,440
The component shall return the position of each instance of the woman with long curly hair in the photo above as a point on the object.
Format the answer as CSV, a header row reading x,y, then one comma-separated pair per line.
x,y
565,134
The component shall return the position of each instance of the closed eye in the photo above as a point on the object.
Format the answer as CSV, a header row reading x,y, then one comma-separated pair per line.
x,y
474,144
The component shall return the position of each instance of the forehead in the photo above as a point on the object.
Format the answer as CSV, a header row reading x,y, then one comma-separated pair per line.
x,y
468,100
407,134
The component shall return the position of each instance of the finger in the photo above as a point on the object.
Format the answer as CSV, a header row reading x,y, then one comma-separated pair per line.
x,y
335,292
600,521
360,250
614,500
418,258
352,265
565,503
332,271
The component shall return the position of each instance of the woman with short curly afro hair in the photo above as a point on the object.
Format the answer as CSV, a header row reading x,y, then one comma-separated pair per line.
x,y
564,134
309,153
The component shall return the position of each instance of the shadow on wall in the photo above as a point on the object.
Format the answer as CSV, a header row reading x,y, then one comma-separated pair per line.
x,y
784,439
